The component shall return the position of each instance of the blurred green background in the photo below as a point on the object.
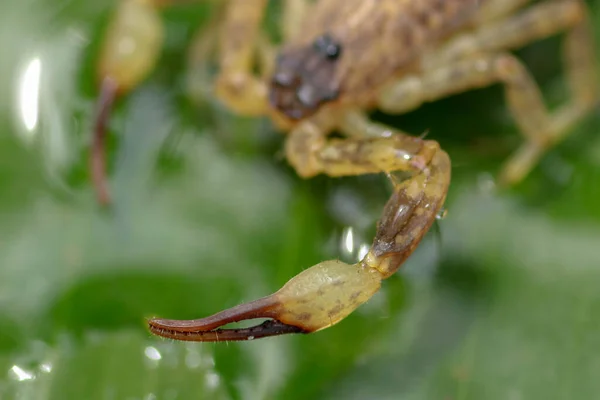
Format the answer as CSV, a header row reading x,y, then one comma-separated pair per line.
x,y
500,301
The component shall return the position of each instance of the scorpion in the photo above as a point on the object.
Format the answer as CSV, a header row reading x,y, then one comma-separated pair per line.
x,y
338,60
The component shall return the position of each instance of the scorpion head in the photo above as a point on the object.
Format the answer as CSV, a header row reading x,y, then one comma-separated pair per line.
x,y
304,78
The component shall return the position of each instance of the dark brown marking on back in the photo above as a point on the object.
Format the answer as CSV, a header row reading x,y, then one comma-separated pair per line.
x,y
303,78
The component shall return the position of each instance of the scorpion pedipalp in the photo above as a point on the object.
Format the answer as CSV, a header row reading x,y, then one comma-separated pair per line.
x,y
328,292
130,51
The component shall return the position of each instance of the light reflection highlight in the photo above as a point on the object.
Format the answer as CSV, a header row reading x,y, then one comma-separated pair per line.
x,y
353,245
20,374
441,214
29,89
486,183
212,380
46,367
193,359
348,239
363,250
152,353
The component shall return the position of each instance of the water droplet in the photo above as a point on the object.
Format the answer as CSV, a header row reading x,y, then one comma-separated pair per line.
x,y
20,374
443,213
363,250
46,367
348,240
193,358
212,380
29,95
486,183
152,353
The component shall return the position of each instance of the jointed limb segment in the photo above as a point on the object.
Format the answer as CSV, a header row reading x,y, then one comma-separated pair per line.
x,y
534,23
130,50
495,9
380,149
580,69
241,42
409,214
354,123
580,64
462,66
326,293
108,94
294,11
236,85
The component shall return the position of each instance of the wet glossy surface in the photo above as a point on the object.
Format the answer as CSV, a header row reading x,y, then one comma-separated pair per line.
x,y
503,303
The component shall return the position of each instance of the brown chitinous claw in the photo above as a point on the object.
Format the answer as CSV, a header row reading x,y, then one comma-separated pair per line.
x,y
130,49
208,329
266,329
315,299
108,94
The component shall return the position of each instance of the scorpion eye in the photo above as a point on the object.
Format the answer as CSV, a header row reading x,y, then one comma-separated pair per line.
x,y
327,46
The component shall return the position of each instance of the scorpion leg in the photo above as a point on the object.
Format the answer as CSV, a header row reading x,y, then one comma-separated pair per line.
x,y
455,69
237,86
494,9
293,13
129,52
326,293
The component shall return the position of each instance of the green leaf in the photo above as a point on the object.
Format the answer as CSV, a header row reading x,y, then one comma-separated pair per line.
x,y
501,303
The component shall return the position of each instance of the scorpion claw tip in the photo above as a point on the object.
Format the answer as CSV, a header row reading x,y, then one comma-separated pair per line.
x,y
179,330
108,94
209,329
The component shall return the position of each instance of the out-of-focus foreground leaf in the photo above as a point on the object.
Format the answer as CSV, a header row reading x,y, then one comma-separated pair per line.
x,y
503,303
